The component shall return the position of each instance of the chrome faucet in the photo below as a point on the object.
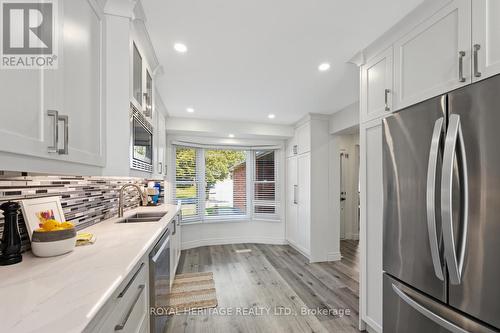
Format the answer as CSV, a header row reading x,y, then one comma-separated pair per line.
x,y
144,198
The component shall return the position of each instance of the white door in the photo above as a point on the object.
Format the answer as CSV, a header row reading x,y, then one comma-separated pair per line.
x,y
291,200
304,202
377,85
435,56
80,77
485,38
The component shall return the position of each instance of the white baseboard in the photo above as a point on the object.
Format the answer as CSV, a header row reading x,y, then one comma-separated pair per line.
x,y
300,249
236,240
372,326
333,256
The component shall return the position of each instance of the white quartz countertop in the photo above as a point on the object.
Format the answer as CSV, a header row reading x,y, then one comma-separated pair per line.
x,y
63,294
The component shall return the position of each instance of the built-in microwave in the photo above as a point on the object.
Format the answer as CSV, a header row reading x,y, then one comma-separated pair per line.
x,y
141,142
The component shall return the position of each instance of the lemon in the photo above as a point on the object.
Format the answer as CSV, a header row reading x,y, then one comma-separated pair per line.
x,y
49,225
67,225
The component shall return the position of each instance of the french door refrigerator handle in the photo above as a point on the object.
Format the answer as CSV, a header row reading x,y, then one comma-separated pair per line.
x,y
431,197
454,136
427,313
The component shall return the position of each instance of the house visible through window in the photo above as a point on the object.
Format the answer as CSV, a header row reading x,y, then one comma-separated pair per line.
x,y
224,183
225,177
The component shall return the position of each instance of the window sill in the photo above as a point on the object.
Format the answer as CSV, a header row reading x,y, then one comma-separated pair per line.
x,y
231,220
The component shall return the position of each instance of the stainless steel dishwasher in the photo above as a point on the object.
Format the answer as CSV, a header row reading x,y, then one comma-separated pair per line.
x,y
159,282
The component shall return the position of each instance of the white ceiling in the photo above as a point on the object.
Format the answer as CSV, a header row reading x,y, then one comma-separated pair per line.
x,y
249,58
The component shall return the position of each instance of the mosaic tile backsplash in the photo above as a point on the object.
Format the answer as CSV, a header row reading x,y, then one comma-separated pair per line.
x,y
85,200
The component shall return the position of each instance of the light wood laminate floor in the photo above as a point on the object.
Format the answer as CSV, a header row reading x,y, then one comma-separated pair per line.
x,y
274,278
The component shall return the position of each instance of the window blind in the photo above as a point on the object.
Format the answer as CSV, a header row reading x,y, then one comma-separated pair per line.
x,y
187,182
264,201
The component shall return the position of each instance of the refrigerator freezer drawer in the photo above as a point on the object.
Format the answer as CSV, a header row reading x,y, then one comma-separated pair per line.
x,y
409,311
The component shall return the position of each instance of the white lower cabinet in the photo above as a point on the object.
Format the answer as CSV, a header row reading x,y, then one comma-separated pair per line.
x,y
175,246
127,310
371,237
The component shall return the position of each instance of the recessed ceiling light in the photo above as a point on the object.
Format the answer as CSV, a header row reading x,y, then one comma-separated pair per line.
x,y
271,116
180,47
190,110
231,135
324,67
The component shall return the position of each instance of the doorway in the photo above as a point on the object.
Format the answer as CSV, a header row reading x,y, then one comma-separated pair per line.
x,y
348,159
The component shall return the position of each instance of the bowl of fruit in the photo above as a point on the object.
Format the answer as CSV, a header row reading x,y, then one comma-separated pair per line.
x,y
53,238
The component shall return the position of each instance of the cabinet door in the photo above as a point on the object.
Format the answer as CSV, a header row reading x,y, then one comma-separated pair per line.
x,y
25,127
292,147
371,175
485,38
377,86
81,79
435,56
304,201
304,138
161,144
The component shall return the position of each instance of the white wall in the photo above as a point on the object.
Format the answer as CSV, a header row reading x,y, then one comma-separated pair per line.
x,y
345,118
234,232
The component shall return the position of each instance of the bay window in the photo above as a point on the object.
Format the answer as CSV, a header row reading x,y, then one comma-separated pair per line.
x,y
225,184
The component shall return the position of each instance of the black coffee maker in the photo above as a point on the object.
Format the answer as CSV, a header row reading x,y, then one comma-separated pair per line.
x,y
10,247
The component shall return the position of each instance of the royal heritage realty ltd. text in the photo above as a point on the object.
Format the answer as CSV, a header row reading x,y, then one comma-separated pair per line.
x,y
255,311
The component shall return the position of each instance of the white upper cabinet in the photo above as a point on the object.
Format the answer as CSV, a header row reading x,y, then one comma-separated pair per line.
x,y
485,38
435,57
81,76
377,86
58,113
304,138
24,123
137,77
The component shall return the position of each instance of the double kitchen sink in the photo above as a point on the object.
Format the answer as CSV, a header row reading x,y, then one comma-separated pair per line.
x,y
143,217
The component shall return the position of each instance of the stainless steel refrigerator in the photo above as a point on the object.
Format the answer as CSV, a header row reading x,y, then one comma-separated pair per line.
x,y
442,213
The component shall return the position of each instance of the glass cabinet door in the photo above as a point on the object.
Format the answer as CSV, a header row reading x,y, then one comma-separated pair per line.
x,y
137,76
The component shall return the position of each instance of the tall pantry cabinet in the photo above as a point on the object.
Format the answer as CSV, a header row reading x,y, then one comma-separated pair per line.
x,y
306,188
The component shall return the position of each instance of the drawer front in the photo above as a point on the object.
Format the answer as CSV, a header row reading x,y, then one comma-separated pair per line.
x,y
131,303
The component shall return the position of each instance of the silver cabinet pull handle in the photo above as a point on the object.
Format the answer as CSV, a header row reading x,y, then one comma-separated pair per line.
x,y
295,200
454,136
124,291
461,56
55,133
431,197
427,313
121,326
477,73
386,99
160,167
65,120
